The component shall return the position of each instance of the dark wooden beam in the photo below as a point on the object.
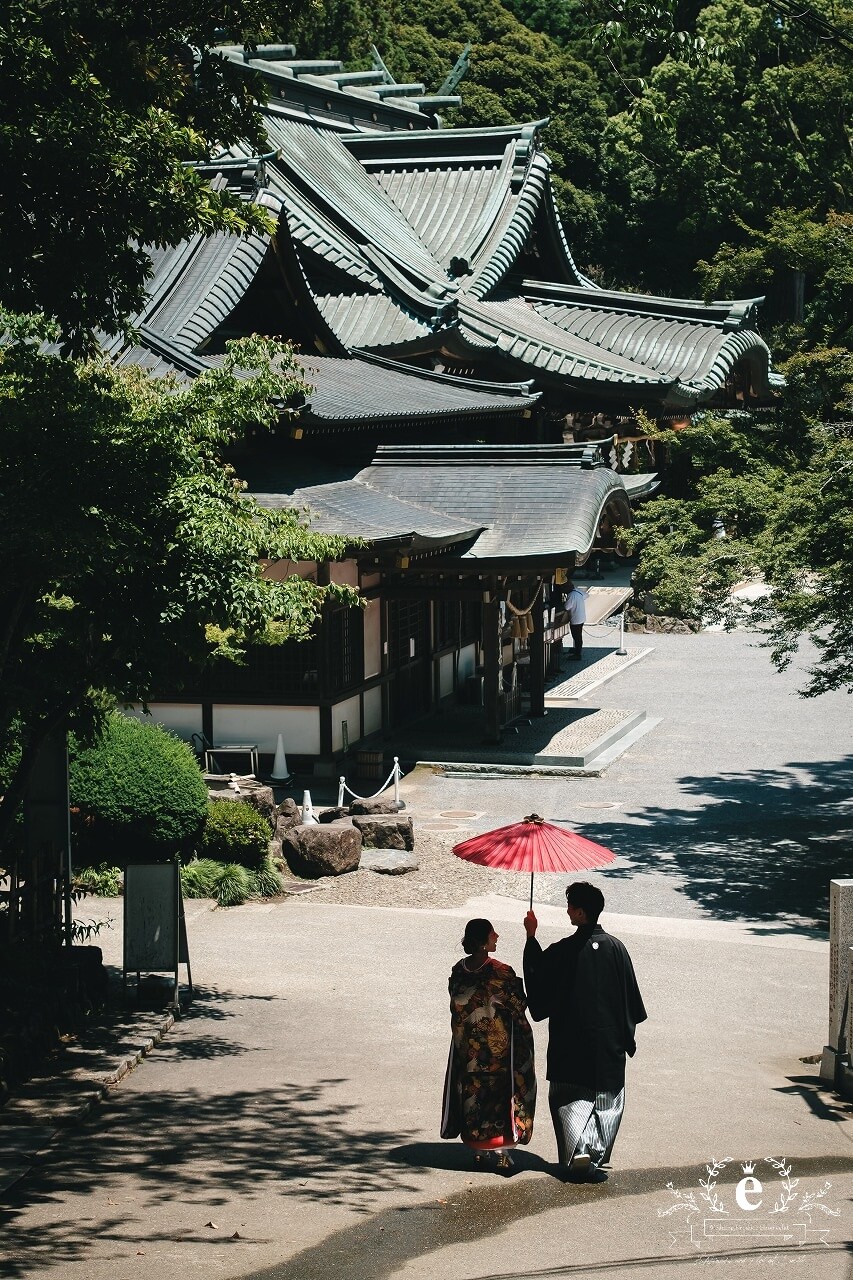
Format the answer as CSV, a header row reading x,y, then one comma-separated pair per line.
x,y
536,644
492,656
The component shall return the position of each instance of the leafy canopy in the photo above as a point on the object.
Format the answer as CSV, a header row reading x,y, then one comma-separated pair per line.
x,y
101,107
131,549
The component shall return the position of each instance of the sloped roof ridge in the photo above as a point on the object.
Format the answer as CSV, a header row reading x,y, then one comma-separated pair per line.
x,y
305,222
564,346
451,379
512,238
162,345
440,141
370,210
720,313
313,80
414,455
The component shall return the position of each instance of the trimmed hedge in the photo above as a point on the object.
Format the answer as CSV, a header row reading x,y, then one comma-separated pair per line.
x,y
235,832
136,793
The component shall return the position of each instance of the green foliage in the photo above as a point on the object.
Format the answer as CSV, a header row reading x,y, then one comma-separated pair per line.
x,y
345,29
229,883
101,106
266,881
806,557
137,791
233,885
132,554
235,832
713,146
794,241
101,882
199,877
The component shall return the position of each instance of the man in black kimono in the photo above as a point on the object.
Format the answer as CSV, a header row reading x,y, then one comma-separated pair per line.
x,y
585,986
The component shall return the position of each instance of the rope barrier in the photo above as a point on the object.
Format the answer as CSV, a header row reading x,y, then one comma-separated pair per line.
x,y
395,774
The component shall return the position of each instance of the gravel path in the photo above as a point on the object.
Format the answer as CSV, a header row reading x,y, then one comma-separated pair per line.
x,y
441,880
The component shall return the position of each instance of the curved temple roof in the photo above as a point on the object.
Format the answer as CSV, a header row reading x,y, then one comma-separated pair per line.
x,y
428,232
492,503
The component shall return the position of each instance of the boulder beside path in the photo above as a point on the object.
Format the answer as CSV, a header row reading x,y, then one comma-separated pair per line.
x,y
313,850
385,831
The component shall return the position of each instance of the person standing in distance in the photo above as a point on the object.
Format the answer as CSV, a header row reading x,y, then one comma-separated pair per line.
x,y
576,609
585,986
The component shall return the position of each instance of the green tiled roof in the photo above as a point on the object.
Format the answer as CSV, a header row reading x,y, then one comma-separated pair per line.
x,y
434,225
497,504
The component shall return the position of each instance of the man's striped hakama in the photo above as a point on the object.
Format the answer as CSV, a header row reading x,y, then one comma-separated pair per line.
x,y
584,1124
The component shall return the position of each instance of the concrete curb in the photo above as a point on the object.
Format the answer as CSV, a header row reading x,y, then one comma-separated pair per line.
x,y
31,1121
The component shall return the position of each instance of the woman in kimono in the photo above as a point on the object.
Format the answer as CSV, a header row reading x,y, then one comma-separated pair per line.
x,y
490,1085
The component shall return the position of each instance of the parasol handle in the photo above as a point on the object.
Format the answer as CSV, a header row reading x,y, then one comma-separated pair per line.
x,y
531,891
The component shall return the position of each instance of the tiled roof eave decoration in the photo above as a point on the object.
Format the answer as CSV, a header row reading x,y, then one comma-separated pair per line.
x,y
323,87
585,361
512,241
726,315
535,501
744,345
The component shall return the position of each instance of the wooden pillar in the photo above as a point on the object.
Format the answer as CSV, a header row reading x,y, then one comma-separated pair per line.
x,y
492,655
324,659
536,645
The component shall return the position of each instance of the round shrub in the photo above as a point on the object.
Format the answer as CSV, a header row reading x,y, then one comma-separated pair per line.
x,y
235,832
135,793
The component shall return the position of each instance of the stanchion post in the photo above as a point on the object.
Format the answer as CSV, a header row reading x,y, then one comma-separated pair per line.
x,y
622,651
342,782
397,781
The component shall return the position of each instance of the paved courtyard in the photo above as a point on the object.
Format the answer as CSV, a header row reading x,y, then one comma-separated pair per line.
x,y
287,1127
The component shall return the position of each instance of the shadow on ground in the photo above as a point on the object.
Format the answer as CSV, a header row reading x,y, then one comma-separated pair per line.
x,y
763,844
143,1151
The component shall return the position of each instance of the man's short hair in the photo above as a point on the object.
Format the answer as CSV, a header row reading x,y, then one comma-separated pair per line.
x,y
586,896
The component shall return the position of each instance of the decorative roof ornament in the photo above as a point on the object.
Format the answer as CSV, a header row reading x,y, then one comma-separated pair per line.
x,y
458,72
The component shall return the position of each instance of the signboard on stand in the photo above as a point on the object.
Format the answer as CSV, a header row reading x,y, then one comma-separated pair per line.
x,y
155,931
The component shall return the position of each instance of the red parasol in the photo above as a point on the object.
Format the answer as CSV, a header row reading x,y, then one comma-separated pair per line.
x,y
534,845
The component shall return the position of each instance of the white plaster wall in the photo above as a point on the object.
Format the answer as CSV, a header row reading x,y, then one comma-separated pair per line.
x,y
344,573
372,711
372,639
182,719
445,675
299,726
467,661
351,712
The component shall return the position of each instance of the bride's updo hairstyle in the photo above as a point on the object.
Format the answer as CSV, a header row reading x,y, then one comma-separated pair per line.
x,y
476,935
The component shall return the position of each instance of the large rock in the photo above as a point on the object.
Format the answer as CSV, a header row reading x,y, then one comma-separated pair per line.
x,y
313,850
379,805
333,815
288,815
388,862
385,831
246,790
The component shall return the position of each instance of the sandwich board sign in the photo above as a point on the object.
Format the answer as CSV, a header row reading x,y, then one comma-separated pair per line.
x,y
155,931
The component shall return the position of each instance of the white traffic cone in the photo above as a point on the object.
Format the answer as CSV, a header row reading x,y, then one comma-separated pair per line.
x,y
307,808
280,771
